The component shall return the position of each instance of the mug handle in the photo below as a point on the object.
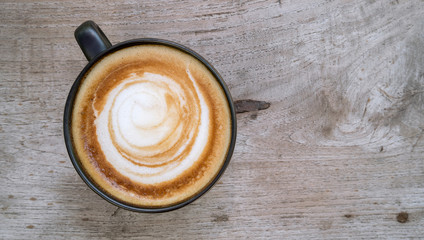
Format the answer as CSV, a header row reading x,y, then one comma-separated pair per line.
x,y
91,39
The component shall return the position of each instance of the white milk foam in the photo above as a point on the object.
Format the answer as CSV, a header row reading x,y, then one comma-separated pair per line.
x,y
139,116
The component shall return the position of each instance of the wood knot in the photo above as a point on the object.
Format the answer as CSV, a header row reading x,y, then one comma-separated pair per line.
x,y
402,217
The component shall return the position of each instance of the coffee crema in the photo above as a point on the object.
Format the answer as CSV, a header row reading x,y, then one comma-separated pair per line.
x,y
151,125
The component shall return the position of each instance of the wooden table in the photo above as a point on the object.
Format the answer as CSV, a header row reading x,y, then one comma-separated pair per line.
x,y
338,154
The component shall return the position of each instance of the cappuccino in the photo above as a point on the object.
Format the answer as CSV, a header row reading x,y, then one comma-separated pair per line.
x,y
151,125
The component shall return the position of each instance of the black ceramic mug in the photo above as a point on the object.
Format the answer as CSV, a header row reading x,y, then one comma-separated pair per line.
x,y
96,46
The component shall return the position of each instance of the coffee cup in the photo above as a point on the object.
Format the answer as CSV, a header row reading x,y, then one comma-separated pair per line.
x,y
149,124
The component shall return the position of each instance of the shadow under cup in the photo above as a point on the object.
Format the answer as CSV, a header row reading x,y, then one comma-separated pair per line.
x,y
95,46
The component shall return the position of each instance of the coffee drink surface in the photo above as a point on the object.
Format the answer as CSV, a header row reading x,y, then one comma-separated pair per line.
x,y
151,125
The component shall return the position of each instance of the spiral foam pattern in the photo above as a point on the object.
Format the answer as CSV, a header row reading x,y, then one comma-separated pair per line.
x,y
151,125
151,129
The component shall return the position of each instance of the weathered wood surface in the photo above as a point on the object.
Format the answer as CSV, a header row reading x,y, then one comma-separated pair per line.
x,y
338,154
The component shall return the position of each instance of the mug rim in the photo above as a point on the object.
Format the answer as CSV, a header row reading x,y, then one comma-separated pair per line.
x,y
68,116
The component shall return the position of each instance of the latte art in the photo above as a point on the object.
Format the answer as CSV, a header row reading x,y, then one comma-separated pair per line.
x,y
151,125
150,129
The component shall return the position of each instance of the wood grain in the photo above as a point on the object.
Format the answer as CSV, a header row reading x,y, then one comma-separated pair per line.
x,y
338,154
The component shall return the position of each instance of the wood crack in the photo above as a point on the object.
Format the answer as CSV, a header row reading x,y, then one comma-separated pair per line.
x,y
249,105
